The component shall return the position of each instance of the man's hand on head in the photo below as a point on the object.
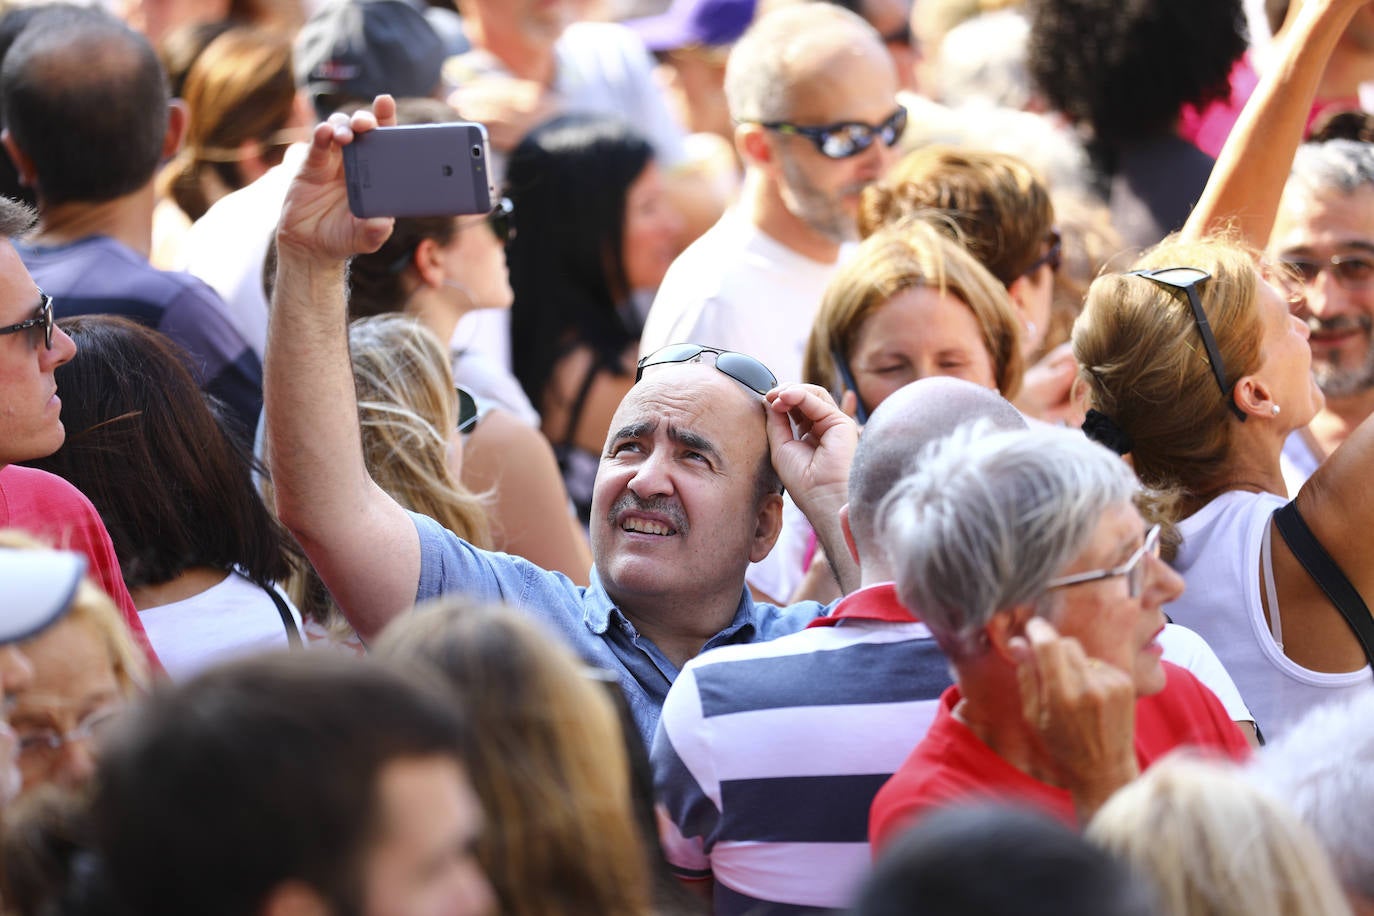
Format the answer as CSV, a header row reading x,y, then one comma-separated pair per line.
x,y
316,224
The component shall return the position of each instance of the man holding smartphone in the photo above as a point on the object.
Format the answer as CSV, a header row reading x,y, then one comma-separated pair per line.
x,y
686,493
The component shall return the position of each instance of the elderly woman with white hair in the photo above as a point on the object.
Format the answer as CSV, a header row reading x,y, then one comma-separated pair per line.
x,y
1024,554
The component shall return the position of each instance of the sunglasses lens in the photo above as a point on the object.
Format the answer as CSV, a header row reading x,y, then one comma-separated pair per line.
x,y
467,410
1178,276
894,127
47,321
746,370
839,144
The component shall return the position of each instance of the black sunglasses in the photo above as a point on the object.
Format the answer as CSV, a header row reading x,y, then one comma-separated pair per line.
x,y
1053,257
501,219
43,319
744,369
467,409
1187,279
846,138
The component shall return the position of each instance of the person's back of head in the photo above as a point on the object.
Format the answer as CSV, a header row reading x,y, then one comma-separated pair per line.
x,y
986,520
900,428
152,453
551,767
984,859
1323,768
85,102
263,775
1214,844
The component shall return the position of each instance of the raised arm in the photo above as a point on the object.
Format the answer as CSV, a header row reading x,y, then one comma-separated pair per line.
x,y
812,443
361,542
1248,178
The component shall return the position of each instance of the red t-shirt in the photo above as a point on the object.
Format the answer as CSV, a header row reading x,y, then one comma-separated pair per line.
x,y
57,513
952,763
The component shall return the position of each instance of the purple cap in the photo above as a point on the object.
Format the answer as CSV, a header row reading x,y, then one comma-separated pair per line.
x,y
695,22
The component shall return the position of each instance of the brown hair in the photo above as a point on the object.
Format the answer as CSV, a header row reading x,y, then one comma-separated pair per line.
x,y
1140,352
551,767
908,254
998,202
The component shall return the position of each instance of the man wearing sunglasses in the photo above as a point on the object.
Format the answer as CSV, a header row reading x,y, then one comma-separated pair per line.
x,y
1323,241
812,92
686,494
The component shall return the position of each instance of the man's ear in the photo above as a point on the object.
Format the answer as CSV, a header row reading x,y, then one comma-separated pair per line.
x,y
294,898
755,146
768,527
23,165
848,533
177,119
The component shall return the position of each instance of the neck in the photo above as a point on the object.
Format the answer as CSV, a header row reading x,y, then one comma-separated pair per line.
x,y
1252,465
187,584
991,708
680,632
431,310
525,57
1338,419
762,204
127,219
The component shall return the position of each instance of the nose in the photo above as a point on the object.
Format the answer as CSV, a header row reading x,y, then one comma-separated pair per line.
x,y
1164,584
1324,296
1303,329
63,349
653,476
76,766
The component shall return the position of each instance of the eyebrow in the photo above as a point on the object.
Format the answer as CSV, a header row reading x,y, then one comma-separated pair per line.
x,y
1306,250
683,437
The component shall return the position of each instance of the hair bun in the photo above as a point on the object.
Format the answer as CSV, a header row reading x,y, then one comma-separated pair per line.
x,y
1101,428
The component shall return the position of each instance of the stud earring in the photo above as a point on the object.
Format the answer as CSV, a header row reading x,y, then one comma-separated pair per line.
x,y
1275,410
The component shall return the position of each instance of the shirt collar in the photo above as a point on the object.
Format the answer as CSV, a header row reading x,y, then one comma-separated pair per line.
x,y
874,602
598,608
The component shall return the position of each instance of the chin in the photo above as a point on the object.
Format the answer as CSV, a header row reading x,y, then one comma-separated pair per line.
x,y
1149,678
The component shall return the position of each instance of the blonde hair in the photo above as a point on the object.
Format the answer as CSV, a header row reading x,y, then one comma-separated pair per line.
x,y
551,767
1140,352
1217,846
1000,205
911,253
92,606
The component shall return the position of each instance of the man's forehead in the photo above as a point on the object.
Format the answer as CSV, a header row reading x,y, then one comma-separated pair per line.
x,y
694,390
1327,217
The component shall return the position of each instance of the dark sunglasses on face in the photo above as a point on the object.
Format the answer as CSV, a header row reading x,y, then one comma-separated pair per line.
x,y
744,369
1350,271
1053,257
467,409
1187,280
501,219
846,138
43,319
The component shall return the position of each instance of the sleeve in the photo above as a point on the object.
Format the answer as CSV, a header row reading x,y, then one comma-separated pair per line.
x,y
1187,649
686,788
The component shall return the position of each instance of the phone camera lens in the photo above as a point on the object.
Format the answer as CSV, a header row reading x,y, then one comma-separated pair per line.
x,y
477,152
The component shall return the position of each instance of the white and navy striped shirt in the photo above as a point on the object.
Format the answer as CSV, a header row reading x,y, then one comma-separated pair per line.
x,y
768,756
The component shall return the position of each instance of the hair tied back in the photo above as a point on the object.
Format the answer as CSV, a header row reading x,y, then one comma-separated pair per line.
x,y
1101,428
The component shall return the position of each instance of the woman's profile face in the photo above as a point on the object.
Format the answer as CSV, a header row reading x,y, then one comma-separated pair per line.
x,y
652,231
918,333
475,264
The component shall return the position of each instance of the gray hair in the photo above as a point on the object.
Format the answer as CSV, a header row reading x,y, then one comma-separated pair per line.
x,y
987,520
16,218
765,64
983,61
1336,166
907,422
1323,767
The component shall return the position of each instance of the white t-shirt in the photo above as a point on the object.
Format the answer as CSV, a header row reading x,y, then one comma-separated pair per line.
x,y
1186,649
230,620
738,289
1220,562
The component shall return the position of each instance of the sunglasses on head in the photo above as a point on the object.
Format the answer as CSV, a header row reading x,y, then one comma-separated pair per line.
x,y
1187,280
845,138
43,319
744,369
467,409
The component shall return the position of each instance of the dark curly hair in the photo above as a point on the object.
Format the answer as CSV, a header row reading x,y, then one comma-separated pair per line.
x,y
1124,68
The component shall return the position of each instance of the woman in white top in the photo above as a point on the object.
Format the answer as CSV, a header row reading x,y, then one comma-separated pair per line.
x,y
196,545
1197,370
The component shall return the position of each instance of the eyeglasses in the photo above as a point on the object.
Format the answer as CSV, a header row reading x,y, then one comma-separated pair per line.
x,y
1187,279
44,743
43,319
744,369
1053,257
1133,569
1353,272
467,409
846,138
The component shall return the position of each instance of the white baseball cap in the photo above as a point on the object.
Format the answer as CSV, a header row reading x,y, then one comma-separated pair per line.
x,y
36,588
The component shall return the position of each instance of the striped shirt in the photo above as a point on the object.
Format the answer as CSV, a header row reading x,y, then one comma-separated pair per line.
x,y
768,756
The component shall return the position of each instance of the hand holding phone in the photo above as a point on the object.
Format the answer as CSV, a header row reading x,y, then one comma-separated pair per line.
x,y
420,170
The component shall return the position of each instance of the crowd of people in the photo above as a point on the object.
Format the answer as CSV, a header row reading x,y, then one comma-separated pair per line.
x,y
872,456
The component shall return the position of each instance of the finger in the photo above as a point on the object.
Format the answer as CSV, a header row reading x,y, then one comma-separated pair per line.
x,y
384,109
849,403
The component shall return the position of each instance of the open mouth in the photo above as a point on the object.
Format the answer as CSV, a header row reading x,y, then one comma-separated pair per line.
x,y
647,526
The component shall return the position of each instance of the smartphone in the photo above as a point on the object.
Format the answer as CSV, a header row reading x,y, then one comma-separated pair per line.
x,y
420,170
847,383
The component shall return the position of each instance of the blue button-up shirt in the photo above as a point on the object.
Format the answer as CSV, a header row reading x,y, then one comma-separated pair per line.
x,y
586,616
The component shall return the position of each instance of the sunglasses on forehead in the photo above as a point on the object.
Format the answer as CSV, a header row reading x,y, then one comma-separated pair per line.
x,y
467,409
845,138
744,369
43,319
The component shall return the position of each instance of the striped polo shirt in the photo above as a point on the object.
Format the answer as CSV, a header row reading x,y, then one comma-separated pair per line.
x,y
768,756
